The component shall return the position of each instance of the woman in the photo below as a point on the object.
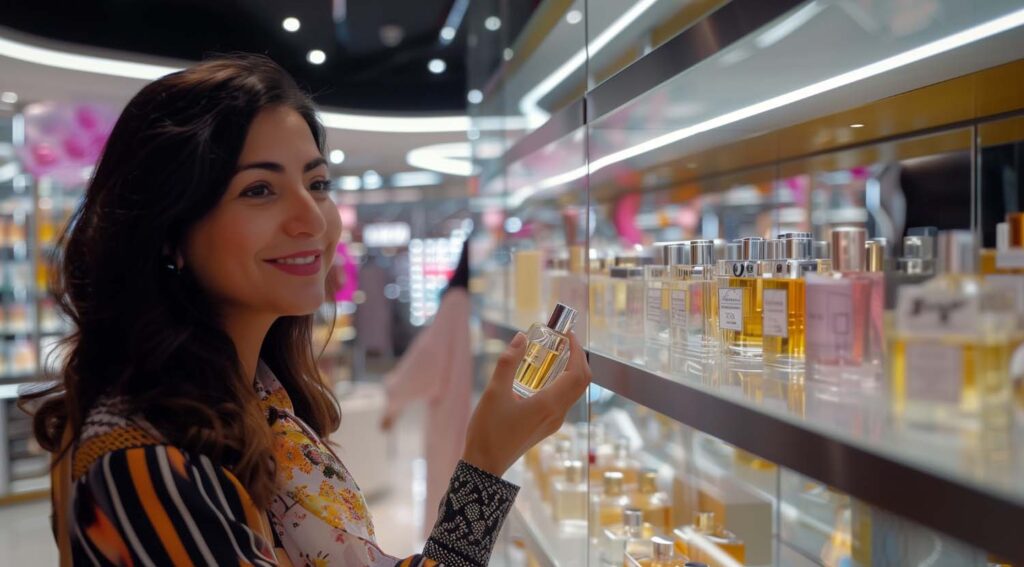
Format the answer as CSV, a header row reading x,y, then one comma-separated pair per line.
x,y
189,421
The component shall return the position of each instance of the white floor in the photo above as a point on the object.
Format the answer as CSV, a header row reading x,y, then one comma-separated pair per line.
x,y
26,538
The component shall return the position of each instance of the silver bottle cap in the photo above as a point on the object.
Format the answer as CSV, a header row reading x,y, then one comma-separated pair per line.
x,y
573,471
800,235
702,253
677,254
1002,236
620,272
721,249
921,247
562,318
664,549
632,517
822,250
775,249
752,247
661,253
799,248
848,248
733,251
956,252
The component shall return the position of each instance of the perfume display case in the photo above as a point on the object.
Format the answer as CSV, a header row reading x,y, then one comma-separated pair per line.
x,y
792,231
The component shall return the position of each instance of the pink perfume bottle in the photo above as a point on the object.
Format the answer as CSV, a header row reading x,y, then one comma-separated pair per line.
x,y
845,309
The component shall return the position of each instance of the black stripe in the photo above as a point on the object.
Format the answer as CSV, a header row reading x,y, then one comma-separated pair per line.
x,y
187,493
134,511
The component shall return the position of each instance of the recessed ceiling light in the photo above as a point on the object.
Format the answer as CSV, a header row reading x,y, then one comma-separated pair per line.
x,y
337,156
493,23
372,179
437,66
9,97
574,16
350,182
316,57
858,125
508,54
391,35
447,33
475,96
291,24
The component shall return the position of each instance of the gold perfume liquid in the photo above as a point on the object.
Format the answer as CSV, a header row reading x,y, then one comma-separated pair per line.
x,y
784,313
740,316
547,351
535,369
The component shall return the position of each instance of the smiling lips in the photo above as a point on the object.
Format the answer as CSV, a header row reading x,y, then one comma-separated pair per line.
x,y
305,263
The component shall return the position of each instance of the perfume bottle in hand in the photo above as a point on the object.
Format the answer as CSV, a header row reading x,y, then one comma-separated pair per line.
x,y
547,351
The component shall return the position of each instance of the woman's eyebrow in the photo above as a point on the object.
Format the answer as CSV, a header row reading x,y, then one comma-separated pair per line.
x,y
278,168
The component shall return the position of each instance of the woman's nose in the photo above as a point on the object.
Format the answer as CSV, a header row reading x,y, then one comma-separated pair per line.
x,y
304,217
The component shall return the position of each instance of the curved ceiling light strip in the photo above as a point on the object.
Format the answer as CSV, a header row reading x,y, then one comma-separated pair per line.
x,y
452,159
60,59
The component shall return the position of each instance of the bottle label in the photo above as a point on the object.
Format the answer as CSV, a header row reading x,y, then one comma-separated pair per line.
x,y
920,310
655,311
730,308
830,320
678,315
934,372
776,314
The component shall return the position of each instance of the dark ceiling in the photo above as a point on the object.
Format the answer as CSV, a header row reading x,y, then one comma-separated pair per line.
x,y
360,71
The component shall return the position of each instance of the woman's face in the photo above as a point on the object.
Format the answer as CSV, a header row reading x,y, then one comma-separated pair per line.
x,y
266,247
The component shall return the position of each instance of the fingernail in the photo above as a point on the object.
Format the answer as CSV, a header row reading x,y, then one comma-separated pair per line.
x,y
518,340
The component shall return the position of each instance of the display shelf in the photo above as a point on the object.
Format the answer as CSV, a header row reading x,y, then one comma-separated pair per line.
x,y
853,448
531,520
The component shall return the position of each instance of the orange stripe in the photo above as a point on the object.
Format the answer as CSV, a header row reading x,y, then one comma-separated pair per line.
x,y
107,539
151,504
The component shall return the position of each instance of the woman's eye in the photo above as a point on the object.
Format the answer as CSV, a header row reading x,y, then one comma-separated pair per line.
x,y
320,186
257,191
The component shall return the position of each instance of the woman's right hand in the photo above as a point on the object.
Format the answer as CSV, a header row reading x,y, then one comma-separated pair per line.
x,y
504,426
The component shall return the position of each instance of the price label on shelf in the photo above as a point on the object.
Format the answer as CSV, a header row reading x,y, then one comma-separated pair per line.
x,y
730,308
776,316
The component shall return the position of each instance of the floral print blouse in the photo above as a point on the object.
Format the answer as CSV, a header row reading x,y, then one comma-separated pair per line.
x,y
138,501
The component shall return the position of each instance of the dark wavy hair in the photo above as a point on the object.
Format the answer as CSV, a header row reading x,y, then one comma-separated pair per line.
x,y
153,336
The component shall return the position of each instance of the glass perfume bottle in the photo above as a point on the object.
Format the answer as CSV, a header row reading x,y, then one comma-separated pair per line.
x,y
655,504
663,554
598,287
784,307
627,320
547,351
606,507
570,497
916,265
632,537
706,542
658,279
619,460
739,302
844,321
552,466
695,334
953,341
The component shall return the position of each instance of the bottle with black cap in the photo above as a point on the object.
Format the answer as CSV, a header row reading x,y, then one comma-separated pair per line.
x,y
953,340
547,351
783,301
845,316
658,281
695,316
739,302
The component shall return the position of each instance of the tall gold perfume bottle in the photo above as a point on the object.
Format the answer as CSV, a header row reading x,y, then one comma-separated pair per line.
x,y
783,304
953,341
655,504
661,287
547,351
606,506
739,302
